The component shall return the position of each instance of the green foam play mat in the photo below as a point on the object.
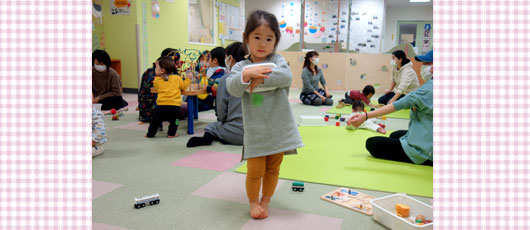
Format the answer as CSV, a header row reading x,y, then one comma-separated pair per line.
x,y
337,156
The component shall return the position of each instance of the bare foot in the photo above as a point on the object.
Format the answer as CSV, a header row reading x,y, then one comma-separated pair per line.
x,y
265,204
176,135
381,130
256,211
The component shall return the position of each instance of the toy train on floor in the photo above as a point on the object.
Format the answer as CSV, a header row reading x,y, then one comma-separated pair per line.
x,y
142,201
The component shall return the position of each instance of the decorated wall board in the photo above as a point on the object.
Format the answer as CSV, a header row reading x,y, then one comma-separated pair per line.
x,y
366,26
345,71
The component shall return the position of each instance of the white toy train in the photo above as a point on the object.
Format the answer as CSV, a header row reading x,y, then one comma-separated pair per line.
x,y
142,201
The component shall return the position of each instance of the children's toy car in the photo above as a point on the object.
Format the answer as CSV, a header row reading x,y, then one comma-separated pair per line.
x,y
298,186
142,201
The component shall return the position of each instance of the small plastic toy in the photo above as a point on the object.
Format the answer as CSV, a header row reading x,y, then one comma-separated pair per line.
x,y
121,114
402,210
113,111
342,119
337,124
298,186
326,118
115,117
382,126
337,117
420,219
142,201
383,117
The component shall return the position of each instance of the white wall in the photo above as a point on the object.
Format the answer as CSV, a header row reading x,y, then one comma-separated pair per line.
x,y
395,14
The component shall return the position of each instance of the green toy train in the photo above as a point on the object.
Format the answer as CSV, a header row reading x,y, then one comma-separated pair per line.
x,y
298,186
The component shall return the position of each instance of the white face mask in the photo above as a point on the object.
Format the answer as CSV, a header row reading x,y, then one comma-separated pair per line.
x,y
227,64
100,68
315,61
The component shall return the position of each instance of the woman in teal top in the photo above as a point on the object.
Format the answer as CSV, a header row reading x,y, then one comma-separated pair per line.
x,y
412,146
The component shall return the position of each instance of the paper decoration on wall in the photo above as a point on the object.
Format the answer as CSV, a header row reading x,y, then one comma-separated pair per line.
x,y
97,12
312,29
318,34
375,17
368,40
376,27
369,31
283,24
324,40
339,82
305,23
427,30
334,16
343,13
363,76
323,29
342,26
384,68
357,19
155,9
353,62
377,85
375,36
372,46
289,29
324,66
120,7
370,23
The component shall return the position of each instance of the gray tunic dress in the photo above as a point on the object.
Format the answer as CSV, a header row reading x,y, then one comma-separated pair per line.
x,y
229,125
269,126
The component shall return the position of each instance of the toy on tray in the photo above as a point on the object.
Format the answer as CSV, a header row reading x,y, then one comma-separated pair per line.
x,y
402,210
298,186
142,201
350,199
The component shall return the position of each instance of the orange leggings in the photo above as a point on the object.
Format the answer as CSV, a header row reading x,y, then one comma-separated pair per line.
x,y
266,167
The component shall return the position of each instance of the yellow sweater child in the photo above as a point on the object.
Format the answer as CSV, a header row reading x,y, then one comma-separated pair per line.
x,y
169,89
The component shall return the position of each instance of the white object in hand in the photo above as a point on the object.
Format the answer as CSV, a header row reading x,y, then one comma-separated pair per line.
x,y
261,88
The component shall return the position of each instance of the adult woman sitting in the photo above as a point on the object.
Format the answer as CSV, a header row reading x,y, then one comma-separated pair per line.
x,y
106,83
404,79
311,94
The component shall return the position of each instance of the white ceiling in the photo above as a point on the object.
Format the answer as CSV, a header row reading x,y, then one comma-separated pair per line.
x,y
406,3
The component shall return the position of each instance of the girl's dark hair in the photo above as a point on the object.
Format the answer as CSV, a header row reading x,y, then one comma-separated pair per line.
x,y
237,51
102,56
219,54
369,89
307,61
258,18
170,52
168,64
357,104
401,55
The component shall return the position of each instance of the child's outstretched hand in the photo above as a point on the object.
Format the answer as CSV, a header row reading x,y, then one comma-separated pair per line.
x,y
356,120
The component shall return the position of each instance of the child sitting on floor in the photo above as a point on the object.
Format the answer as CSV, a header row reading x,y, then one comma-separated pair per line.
x,y
358,107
